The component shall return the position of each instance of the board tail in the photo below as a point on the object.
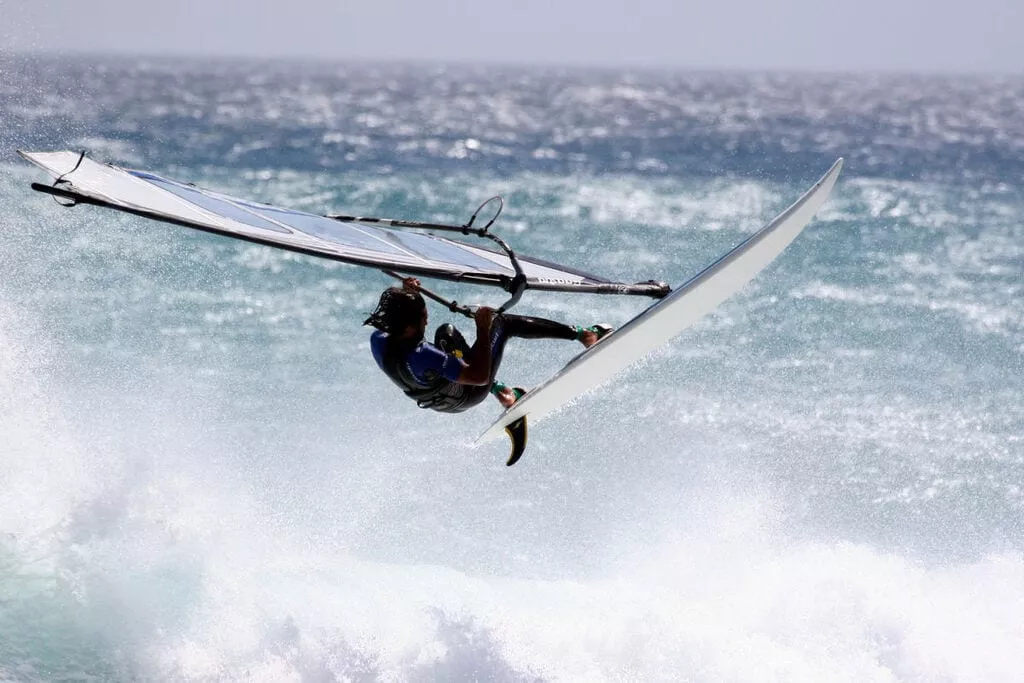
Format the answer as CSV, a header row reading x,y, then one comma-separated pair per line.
x,y
517,433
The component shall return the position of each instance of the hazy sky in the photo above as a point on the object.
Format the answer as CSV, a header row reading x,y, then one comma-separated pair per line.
x,y
886,35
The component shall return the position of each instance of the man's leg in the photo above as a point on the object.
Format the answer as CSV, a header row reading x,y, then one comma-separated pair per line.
x,y
505,326
450,340
529,327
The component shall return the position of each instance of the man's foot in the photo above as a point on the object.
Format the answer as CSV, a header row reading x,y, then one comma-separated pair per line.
x,y
588,336
506,396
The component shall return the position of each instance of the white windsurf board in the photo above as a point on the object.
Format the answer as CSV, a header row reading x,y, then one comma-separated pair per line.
x,y
671,315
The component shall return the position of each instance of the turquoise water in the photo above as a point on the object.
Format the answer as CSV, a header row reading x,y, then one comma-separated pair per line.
x,y
206,477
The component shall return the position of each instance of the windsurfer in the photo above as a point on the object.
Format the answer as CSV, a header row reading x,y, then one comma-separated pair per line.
x,y
449,375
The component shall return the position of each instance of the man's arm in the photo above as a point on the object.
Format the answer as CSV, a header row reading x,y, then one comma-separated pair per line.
x,y
477,371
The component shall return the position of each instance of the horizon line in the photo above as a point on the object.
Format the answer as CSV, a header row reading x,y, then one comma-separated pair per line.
x,y
329,60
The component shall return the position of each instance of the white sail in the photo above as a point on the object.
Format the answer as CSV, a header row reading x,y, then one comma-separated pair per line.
x,y
352,241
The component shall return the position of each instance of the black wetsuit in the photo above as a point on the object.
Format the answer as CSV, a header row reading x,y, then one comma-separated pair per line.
x,y
435,388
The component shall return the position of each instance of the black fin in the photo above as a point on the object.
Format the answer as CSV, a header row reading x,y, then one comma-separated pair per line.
x,y
517,433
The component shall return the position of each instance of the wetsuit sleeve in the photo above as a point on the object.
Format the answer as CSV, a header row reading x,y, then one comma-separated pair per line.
x,y
428,362
378,343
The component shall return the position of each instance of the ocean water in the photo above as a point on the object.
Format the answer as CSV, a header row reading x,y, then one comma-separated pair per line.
x,y
205,478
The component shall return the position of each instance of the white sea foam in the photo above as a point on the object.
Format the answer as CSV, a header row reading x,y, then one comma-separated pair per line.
x,y
195,579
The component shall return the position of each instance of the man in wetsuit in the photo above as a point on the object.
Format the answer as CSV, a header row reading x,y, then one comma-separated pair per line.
x,y
449,375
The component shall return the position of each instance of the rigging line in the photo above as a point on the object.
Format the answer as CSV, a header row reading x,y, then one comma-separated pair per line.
x,y
516,284
466,229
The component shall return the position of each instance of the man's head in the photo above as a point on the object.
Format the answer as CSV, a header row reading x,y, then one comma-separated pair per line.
x,y
400,312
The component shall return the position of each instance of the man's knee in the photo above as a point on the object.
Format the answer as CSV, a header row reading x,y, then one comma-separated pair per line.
x,y
450,340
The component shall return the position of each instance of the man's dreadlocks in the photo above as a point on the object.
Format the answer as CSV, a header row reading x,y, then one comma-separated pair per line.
x,y
397,309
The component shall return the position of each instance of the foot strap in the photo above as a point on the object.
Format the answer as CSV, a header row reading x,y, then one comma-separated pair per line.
x,y
601,330
498,387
